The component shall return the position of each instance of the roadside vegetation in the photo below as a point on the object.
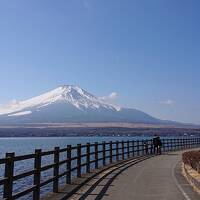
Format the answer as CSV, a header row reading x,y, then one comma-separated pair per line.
x,y
192,159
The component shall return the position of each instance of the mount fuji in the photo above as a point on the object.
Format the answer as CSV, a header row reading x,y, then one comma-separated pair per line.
x,y
70,104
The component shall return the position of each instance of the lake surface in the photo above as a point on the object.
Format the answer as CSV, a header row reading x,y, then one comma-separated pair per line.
x,y
22,146
28,145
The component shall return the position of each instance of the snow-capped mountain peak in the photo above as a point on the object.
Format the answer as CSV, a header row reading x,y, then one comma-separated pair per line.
x,y
68,94
66,104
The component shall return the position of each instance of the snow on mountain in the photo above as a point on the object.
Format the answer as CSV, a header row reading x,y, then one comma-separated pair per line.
x,y
69,103
20,113
73,95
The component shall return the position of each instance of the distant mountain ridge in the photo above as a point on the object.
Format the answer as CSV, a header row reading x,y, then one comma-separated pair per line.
x,y
70,103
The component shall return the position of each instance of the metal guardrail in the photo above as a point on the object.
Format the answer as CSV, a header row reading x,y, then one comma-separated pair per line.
x,y
87,157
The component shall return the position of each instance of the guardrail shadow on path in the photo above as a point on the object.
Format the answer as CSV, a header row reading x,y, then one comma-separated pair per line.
x,y
75,161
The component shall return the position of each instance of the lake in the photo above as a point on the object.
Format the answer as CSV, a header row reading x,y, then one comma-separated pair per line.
x,y
26,145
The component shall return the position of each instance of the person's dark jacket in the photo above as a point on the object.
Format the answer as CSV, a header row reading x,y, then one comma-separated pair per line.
x,y
155,142
159,142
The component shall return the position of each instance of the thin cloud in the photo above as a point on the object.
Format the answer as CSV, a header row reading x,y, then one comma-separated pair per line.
x,y
111,97
167,102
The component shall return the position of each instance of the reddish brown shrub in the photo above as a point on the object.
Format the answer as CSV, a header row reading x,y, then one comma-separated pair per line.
x,y
192,158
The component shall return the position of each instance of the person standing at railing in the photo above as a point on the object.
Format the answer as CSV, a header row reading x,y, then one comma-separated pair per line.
x,y
159,142
155,144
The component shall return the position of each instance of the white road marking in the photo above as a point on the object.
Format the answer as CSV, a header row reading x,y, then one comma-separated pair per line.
x,y
178,185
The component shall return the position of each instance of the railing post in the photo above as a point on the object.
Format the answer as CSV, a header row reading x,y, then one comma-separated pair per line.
x,y
143,147
122,150
192,142
68,177
56,169
9,171
163,142
175,144
117,150
96,154
78,160
186,141
88,157
149,146
167,145
37,174
128,148
193,145
138,147
179,144
171,141
182,143
133,148
171,144
104,153
152,147
111,154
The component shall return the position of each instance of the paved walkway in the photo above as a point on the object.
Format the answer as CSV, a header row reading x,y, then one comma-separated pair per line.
x,y
157,178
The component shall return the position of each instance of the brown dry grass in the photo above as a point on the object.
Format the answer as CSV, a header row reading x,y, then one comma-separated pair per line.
x,y
192,159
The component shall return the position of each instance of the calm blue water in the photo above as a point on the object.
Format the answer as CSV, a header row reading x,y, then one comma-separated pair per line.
x,y
22,146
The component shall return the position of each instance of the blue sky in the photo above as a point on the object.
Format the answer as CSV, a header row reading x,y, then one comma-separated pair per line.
x,y
148,52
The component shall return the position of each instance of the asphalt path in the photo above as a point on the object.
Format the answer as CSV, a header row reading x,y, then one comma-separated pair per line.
x,y
156,178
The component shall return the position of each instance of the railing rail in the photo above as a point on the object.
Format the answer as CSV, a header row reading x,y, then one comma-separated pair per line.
x,y
86,157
